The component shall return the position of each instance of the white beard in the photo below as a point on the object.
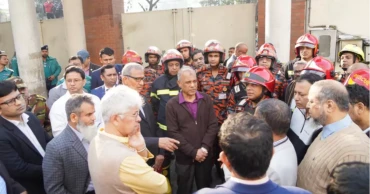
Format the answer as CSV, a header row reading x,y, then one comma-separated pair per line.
x,y
87,131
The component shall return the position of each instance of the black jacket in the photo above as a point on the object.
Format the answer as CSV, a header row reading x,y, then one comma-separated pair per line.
x,y
12,187
191,133
19,155
163,89
150,131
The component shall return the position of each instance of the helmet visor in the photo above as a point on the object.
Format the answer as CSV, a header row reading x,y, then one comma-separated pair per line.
x,y
309,45
240,69
319,73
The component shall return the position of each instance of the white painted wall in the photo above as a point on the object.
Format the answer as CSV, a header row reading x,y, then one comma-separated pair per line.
x,y
227,24
277,26
350,16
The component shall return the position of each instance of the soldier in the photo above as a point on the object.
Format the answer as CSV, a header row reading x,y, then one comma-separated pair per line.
x,y
238,92
186,49
5,72
152,71
260,84
163,89
52,68
35,104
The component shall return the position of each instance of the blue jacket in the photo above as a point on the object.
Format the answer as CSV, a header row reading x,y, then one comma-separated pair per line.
x,y
99,91
96,81
232,187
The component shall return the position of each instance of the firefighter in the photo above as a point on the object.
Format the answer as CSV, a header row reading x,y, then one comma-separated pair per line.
x,y
186,49
152,71
260,84
321,67
212,80
266,57
163,89
131,56
306,48
238,92
349,55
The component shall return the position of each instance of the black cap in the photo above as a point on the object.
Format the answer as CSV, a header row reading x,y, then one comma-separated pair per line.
x,y
45,47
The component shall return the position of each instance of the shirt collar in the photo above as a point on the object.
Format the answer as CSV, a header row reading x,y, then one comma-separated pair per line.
x,y
123,140
198,96
336,126
281,141
64,85
255,182
24,118
79,134
366,130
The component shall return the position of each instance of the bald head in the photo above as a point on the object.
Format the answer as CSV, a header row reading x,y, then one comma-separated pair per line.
x,y
241,49
357,66
325,90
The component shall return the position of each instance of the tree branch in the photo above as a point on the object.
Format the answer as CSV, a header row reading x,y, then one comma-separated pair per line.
x,y
142,7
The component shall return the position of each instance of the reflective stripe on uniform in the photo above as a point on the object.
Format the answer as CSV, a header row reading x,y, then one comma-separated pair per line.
x,y
153,95
163,127
167,91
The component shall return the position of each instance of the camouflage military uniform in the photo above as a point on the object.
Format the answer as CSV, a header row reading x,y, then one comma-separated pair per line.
x,y
237,94
37,105
218,88
150,75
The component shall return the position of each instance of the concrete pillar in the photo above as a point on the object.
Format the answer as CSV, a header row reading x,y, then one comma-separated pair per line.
x,y
26,36
74,26
277,30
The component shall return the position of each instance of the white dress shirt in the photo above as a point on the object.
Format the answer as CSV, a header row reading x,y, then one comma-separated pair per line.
x,y
86,145
283,167
2,186
26,130
366,130
58,116
247,182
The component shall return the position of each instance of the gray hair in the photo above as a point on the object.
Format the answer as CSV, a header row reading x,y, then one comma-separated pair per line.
x,y
73,104
276,113
185,69
332,90
304,63
129,67
119,100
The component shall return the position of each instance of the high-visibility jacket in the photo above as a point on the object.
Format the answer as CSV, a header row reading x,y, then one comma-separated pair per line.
x,y
163,89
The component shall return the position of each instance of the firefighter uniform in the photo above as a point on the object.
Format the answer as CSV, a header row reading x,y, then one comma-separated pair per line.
x,y
151,72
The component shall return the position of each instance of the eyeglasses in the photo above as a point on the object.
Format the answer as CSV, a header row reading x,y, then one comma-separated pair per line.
x,y
73,81
13,100
137,79
135,115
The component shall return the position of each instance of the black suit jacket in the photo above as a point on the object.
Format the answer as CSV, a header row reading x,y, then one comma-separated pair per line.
x,y
20,157
12,187
93,67
150,131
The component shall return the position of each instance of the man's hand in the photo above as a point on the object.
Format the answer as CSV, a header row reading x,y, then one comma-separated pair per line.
x,y
201,155
158,163
168,144
52,77
136,140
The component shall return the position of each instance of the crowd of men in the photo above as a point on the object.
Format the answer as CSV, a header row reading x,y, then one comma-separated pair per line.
x,y
116,128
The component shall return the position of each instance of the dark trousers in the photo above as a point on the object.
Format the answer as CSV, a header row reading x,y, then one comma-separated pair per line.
x,y
202,173
50,15
216,155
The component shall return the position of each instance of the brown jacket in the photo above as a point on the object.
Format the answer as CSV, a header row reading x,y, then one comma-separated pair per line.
x,y
192,134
